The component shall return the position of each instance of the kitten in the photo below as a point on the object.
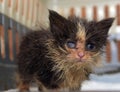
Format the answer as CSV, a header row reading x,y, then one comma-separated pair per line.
x,y
63,55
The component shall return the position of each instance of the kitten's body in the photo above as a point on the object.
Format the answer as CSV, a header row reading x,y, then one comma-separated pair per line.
x,y
48,57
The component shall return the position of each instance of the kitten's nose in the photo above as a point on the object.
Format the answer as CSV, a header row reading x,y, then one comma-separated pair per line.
x,y
81,54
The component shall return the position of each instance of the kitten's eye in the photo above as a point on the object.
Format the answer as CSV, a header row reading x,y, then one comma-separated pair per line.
x,y
90,46
71,44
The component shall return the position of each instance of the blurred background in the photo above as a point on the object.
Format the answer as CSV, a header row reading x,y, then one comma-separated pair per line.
x,y
18,16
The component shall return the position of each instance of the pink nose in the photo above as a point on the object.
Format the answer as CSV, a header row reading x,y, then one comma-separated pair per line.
x,y
81,54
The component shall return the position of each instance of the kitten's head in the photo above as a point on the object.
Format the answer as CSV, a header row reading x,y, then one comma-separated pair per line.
x,y
82,40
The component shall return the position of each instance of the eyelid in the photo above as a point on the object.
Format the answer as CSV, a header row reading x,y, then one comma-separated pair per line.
x,y
71,41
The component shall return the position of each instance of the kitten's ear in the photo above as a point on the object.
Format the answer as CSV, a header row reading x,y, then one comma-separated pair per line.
x,y
104,25
57,23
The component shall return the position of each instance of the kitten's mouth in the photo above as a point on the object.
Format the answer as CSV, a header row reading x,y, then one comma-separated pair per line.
x,y
76,59
79,60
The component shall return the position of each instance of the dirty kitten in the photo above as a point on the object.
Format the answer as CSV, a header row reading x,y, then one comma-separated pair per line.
x,y
63,55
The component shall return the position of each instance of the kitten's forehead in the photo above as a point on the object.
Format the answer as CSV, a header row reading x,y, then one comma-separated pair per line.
x,y
81,34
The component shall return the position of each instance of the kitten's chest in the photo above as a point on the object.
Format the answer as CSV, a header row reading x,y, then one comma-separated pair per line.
x,y
74,78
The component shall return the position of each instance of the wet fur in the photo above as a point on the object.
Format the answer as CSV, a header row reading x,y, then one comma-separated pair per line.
x,y
43,53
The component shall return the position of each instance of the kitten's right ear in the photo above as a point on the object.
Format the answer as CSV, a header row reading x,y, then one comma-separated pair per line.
x,y
57,23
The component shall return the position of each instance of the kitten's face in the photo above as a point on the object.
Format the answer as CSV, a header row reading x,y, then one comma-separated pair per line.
x,y
81,40
78,48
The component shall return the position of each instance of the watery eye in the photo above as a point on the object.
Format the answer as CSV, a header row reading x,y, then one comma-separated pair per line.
x,y
90,46
71,44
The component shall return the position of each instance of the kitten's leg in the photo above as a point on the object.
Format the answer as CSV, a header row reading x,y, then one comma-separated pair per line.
x,y
41,87
23,84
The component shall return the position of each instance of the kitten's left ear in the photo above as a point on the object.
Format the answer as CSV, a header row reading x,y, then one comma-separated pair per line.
x,y
104,25
57,23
